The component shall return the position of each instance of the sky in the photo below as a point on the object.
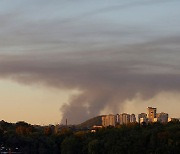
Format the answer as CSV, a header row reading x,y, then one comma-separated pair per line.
x,y
77,59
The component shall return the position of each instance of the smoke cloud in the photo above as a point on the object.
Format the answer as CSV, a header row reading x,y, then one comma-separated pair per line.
x,y
105,78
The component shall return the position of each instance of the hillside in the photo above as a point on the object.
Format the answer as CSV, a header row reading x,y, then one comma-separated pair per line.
x,y
91,122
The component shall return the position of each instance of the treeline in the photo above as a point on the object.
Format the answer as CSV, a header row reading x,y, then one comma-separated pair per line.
x,y
153,138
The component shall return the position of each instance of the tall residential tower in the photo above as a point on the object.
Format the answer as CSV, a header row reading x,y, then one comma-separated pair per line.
x,y
151,114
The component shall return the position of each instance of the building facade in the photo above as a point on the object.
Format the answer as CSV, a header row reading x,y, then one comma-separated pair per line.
x,y
151,114
124,118
142,117
162,117
132,118
109,120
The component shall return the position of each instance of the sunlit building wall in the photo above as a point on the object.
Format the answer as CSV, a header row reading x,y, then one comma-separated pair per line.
x,y
151,114
141,120
109,120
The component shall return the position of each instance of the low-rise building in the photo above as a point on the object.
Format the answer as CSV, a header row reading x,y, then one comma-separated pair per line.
x,y
95,128
173,119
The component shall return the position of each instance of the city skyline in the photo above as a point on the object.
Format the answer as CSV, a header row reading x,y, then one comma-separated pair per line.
x,y
76,59
150,116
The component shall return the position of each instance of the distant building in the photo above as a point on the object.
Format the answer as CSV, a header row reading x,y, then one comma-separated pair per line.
x,y
141,120
162,117
117,119
169,119
124,118
173,120
132,118
95,128
151,114
156,120
109,120
142,117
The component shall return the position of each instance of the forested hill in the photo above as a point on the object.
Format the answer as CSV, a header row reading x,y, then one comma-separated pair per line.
x,y
91,122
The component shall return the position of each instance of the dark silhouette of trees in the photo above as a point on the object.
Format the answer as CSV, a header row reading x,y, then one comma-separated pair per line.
x,y
133,138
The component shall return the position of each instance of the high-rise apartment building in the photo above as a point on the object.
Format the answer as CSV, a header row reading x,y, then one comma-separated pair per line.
x,y
162,117
124,118
109,120
117,119
142,117
151,114
132,118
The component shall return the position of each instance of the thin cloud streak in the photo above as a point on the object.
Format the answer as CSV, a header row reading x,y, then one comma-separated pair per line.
x,y
114,8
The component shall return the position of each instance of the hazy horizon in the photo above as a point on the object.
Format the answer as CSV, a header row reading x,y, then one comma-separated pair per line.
x,y
78,59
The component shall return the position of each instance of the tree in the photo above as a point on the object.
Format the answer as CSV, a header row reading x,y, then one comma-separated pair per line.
x,y
71,145
94,147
